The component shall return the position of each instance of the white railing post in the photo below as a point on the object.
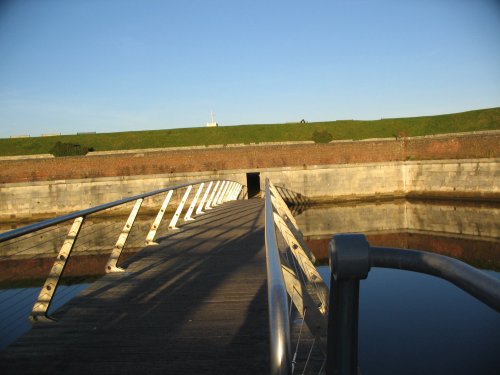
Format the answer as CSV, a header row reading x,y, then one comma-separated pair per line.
x,y
279,323
199,210
188,217
223,194
280,205
154,227
217,196
49,288
227,196
237,192
177,213
208,206
122,239
230,193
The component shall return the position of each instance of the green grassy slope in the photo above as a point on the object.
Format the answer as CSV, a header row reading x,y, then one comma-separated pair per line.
x,y
485,119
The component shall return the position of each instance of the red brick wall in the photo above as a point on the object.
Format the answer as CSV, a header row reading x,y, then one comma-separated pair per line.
x,y
250,157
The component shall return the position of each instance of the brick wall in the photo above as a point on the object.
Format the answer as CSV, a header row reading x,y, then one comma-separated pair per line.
x,y
251,157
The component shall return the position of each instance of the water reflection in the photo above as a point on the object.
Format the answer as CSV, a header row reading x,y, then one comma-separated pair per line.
x,y
16,305
411,323
26,262
469,232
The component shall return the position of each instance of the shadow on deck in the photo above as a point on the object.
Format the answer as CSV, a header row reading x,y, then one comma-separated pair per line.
x,y
197,302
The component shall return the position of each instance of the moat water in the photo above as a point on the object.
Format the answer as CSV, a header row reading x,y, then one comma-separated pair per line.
x,y
409,323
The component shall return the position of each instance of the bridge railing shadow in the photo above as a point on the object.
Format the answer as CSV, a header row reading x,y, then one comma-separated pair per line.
x,y
98,241
196,261
296,202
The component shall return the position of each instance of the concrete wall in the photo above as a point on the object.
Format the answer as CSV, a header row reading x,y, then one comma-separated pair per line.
x,y
52,198
476,178
473,178
480,177
340,181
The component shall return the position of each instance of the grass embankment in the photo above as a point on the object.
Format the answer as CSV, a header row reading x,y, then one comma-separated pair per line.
x,y
485,119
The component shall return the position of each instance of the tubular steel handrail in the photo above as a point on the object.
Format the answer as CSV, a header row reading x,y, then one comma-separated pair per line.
x,y
61,219
307,292
473,281
279,325
229,190
351,259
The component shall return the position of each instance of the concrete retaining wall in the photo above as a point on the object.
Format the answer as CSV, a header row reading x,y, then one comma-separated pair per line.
x,y
472,178
52,198
475,179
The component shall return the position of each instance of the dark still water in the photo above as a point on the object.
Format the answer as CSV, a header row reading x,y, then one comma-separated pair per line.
x,y
16,305
26,263
417,324
412,323
409,323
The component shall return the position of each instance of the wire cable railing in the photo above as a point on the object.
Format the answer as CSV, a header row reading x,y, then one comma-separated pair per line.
x,y
279,325
331,314
297,294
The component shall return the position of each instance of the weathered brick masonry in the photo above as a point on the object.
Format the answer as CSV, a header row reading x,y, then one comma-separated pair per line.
x,y
251,157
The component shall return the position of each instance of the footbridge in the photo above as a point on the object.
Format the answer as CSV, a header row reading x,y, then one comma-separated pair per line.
x,y
216,284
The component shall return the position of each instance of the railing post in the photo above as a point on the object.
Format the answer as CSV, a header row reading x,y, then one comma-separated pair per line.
x,y
233,192
42,304
177,213
224,192
208,206
279,324
349,263
217,196
156,223
224,197
199,210
122,239
301,253
237,193
188,217
281,206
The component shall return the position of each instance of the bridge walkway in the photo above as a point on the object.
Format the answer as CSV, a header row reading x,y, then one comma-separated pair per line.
x,y
196,303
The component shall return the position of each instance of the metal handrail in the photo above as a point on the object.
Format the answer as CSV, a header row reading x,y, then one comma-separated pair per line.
x,y
351,259
475,282
229,190
279,325
88,211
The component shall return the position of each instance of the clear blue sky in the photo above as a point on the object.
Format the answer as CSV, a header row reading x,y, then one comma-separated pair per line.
x,y
115,65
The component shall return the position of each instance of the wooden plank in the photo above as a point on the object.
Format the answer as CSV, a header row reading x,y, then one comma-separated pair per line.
x,y
195,303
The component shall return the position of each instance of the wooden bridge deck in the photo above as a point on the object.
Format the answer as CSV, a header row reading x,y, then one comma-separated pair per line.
x,y
197,303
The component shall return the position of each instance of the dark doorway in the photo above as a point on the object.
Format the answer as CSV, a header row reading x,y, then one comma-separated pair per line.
x,y
253,184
